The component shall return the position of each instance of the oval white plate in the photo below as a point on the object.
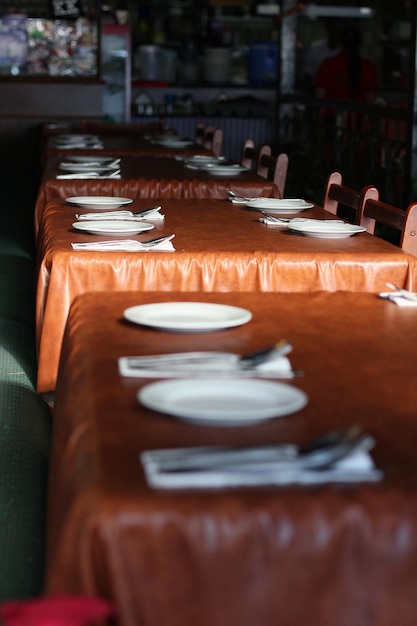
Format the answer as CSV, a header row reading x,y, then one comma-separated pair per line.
x,y
222,402
277,205
98,202
327,230
188,316
112,227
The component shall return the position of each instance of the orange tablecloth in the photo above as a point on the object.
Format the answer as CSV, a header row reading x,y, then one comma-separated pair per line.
x,y
219,247
156,177
322,556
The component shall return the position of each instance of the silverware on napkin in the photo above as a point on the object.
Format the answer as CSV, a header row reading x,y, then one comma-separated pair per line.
x,y
340,456
270,362
128,245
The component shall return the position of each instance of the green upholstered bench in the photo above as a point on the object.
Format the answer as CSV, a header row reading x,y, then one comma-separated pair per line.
x,y
25,422
24,452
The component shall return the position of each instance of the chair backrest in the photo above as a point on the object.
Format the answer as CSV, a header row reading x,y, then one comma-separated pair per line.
x,y
405,222
249,154
338,197
199,132
213,140
273,167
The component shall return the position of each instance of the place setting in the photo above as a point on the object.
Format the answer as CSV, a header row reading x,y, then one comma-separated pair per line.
x,y
159,244
90,167
339,456
71,142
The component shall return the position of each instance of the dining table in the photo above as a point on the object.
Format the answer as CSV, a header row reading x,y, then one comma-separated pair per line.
x,y
319,554
123,144
153,177
218,246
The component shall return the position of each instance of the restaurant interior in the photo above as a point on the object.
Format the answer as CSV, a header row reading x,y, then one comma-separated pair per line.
x,y
208,313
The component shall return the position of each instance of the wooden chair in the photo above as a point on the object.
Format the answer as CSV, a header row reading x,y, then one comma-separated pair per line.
x,y
213,140
404,222
273,167
199,132
249,154
345,201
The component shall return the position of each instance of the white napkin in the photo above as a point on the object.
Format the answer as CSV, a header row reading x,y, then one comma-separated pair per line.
x,y
355,467
121,215
125,245
202,365
402,298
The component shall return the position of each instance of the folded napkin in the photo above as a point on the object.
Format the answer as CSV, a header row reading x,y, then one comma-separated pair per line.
x,y
56,611
125,245
121,215
402,297
202,469
203,365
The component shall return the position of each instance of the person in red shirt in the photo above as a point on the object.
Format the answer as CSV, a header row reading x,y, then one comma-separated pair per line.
x,y
347,75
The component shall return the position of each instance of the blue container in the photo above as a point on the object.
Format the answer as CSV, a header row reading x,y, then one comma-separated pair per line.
x,y
263,62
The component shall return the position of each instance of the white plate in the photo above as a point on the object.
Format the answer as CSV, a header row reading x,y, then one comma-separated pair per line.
x,y
326,230
222,402
176,143
188,316
98,202
87,160
225,170
112,227
82,167
280,206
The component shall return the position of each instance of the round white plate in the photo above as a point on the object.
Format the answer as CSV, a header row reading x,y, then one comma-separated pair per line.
x,y
205,159
98,202
222,402
279,206
82,167
225,170
326,231
91,159
188,316
175,143
112,227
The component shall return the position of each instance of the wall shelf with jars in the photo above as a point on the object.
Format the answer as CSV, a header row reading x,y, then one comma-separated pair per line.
x,y
49,39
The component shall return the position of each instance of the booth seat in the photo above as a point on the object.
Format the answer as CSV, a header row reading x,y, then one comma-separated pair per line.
x,y
24,416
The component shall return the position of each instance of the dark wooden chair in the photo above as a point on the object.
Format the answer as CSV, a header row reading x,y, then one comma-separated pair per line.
x,y
344,201
404,222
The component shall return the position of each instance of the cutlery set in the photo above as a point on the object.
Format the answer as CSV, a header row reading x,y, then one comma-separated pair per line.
x,y
341,456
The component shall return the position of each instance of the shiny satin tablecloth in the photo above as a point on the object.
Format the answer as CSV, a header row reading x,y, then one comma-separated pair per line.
x,y
156,177
219,247
325,556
